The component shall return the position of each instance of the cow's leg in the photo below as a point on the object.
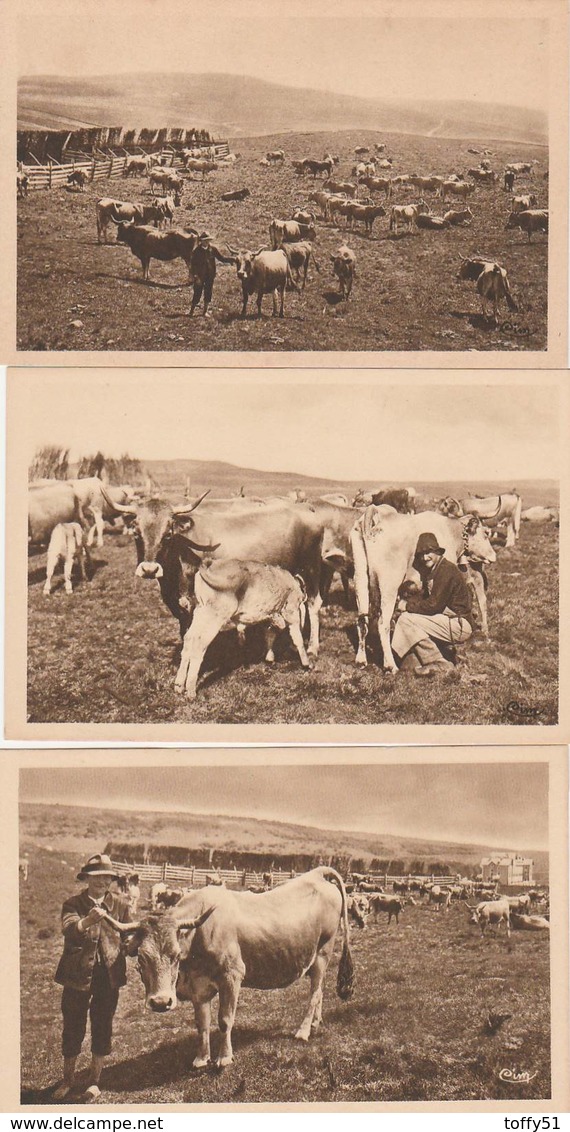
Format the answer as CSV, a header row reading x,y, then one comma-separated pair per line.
x,y
388,596
314,602
229,994
297,637
99,525
146,268
206,624
67,570
259,302
201,991
478,583
52,561
362,590
270,635
316,974
510,540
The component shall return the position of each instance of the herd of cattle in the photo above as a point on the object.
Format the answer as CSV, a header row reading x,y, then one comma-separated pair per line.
x,y
214,939
345,199
240,561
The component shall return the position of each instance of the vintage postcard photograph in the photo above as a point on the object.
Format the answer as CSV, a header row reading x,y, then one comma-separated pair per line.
x,y
379,182
231,553
370,928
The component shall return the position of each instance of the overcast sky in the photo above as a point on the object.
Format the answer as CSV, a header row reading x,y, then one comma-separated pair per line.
x,y
342,432
490,58
464,802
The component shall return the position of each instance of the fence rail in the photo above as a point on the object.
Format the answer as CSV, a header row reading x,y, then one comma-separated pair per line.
x,y
101,167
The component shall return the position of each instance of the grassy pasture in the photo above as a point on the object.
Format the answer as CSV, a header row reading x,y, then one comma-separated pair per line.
x,y
109,653
406,295
414,1030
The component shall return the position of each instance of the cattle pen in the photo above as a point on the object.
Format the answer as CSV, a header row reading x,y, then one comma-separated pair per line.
x,y
242,878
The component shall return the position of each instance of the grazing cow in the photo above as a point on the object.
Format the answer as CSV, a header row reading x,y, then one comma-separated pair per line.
x,y
457,217
166,180
338,205
237,194
491,912
406,215
303,215
520,167
531,220
492,283
136,167
308,165
216,940
440,896
508,180
263,273
48,505
426,184
522,204
275,156
366,214
67,544
384,544
117,212
344,267
320,198
426,220
378,902
457,189
79,179
290,232
146,244
377,185
171,539
347,187
201,165
495,509
298,255
238,593
397,497
529,923
22,184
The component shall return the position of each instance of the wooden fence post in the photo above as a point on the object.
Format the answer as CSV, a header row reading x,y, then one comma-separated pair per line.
x,y
49,174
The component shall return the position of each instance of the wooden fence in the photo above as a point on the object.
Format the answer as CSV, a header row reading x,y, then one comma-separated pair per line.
x,y
241,878
99,166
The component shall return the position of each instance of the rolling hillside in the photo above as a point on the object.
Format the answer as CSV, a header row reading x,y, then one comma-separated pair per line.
x,y
80,829
238,105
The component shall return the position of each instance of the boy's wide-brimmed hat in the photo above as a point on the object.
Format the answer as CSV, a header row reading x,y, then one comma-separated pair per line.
x,y
428,542
98,866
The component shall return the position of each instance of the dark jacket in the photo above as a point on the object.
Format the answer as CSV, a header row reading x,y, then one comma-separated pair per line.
x,y
99,943
449,592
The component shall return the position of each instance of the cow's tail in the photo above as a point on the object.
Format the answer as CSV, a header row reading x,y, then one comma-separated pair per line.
x,y
345,976
517,516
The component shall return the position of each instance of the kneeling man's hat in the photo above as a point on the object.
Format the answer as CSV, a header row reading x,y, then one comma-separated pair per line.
x,y
428,542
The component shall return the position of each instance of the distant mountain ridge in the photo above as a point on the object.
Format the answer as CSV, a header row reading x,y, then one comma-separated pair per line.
x,y
239,105
67,827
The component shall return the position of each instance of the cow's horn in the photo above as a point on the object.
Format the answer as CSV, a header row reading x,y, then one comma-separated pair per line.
x,y
231,250
263,248
190,925
122,928
124,508
186,509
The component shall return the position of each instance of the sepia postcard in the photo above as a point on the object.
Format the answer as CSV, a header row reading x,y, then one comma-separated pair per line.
x,y
153,886
215,557
379,180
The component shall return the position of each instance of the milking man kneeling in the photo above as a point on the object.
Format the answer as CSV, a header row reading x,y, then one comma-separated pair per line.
x,y
91,970
440,612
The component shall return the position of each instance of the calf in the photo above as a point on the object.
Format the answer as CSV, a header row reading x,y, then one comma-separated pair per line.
x,y
78,178
344,267
298,256
263,273
167,205
508,180
366,213
390,904
531,220
67,544
239,593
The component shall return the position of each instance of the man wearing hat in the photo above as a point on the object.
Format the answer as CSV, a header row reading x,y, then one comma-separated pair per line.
x,y
441,612
91,971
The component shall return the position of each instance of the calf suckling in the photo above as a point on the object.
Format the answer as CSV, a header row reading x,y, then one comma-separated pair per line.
x,y
230,592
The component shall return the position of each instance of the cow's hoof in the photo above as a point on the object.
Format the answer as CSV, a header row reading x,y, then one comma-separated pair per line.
x,y
391,671
361,662
200,1062
270,658
309,666
301,1036
191,694
221,1062
179,689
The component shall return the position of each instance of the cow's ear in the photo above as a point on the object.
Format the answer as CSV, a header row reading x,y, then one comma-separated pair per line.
x,y
185,936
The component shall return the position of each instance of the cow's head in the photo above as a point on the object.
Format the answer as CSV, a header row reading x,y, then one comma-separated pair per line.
x,y
244,261
471,269
154,523
159,943
476,541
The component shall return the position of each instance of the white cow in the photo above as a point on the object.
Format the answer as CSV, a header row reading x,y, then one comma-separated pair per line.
x,y
491,912
67,544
